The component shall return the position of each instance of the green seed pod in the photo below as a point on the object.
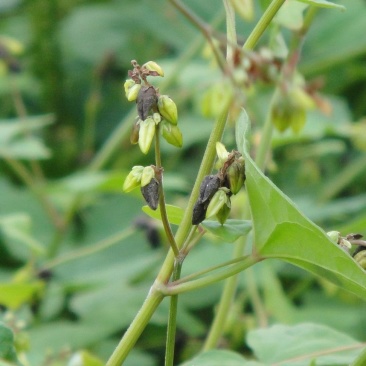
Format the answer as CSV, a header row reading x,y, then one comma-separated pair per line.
x,y
146,102
150,193
133,179
172,134
360,258
147,174
168,109
236,175
153,66
146,134
224,212
218,201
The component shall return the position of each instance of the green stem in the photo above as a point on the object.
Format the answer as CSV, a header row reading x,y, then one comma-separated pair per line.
x,y
172,320
162,206
137,326
174,289
263,24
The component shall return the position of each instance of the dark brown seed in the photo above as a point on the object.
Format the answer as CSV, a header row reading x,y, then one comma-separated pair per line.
x,y
209,186
151,194
199,212
146,101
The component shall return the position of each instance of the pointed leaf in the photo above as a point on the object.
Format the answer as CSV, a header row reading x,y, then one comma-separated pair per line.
x,y
230,231
175,213
281,231
324,4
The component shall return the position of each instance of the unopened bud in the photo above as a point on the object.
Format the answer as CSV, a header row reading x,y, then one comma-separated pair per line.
x,y
153,66
168,109
147,174
146,134
157,118
172,134
360,258
150,193
131,89
221,152
134,137
133,179
236,175
334,236
217,202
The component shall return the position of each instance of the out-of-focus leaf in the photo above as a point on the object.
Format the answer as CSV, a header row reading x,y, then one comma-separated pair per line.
x,y
230,231
175,213
324,4
297,345
7,349
13,295
16,229
291,15
220,358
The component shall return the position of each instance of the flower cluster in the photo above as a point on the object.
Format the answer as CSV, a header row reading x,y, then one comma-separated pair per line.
x,y
153,109
216,190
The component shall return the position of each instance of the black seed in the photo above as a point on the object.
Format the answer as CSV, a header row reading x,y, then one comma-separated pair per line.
x,y
146,101
209,186
199,212
151,194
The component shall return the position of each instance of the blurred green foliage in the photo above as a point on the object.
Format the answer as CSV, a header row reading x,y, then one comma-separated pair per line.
x,y
62,107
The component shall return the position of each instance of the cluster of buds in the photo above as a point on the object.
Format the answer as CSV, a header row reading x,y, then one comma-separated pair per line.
x,y
146,179
153,109
216,190
359,255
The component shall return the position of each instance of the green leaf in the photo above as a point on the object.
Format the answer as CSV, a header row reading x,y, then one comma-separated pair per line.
x,y
323,4
175,213
16,229
300,344
220,358
281,231
7,349
13,295
230,231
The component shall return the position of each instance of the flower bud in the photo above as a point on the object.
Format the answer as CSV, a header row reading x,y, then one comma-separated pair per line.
x,y
168,109
221,152
150,193
131,89
334,236
236,175
153,66
146,102
133,179
147,174
134,137
172,134
146,134
157,118
360,258
218,201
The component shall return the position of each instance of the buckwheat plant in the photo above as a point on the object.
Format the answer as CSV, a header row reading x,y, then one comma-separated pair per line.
x,y
279,229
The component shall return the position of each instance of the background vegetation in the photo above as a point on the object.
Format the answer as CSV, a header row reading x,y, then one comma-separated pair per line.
x,y
78,256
